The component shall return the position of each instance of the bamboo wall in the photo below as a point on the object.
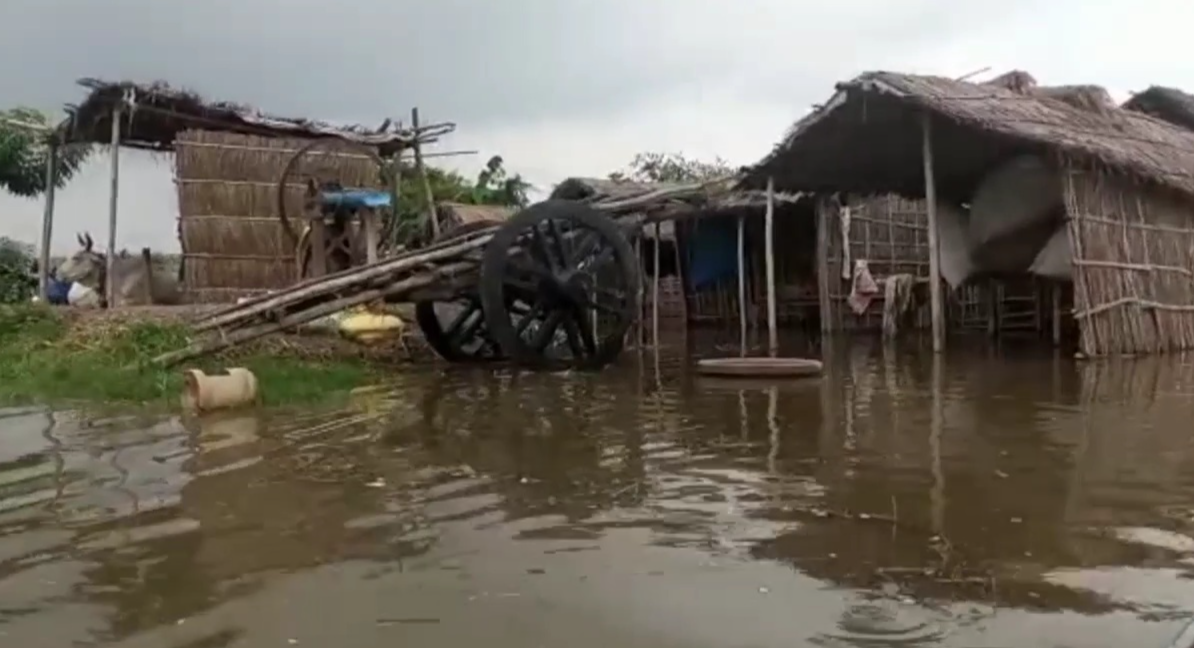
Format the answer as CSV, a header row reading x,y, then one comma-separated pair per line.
x,y
232,240
892,235
1133,265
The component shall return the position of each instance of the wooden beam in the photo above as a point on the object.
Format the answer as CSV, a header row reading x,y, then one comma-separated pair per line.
x,y
109,284
935,298
422,171
823,266
47,223
742,286
772,333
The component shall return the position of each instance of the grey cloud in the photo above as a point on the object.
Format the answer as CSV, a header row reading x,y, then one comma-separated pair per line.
x,y
472,61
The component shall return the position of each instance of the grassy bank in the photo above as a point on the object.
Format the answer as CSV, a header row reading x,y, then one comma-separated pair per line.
x,y
47,355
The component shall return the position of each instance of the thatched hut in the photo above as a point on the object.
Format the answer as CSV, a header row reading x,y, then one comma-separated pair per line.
x,y
697,243
229,159
1125,185
1168,104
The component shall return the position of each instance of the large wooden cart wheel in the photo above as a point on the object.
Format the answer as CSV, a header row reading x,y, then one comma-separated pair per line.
x,y
290,174
574,271
456,330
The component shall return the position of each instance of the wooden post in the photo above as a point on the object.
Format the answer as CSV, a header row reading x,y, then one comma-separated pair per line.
x,y
823,266
371,224
640,333
772,333
147,289
110,293
422,171
1056,294
935,305
655,292
47,221
742,285
317,241
396,202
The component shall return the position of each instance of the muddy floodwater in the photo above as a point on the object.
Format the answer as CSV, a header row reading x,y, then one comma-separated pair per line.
x,y
989,499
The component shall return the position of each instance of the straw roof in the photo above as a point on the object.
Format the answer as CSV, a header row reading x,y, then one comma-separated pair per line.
x,y
454,214
1169,104
676,199
868,137
159,112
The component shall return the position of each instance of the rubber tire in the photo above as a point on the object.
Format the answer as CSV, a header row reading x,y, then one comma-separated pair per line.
x,y
493,263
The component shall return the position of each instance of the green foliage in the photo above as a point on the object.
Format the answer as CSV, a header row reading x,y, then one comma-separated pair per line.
x,y
16,284
24,151
42,361
492,186
671,167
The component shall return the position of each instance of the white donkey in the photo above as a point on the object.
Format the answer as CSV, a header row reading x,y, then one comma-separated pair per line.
x,y
130,276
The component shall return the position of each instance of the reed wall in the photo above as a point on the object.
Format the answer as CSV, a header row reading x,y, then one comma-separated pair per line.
x,y
892,235
1133,252
233,243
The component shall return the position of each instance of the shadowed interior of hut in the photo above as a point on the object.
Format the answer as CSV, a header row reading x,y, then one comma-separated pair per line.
x,y
709,268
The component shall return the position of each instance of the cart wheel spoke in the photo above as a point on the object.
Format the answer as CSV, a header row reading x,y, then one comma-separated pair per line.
x,y
546,332
541,251
535,312
580,333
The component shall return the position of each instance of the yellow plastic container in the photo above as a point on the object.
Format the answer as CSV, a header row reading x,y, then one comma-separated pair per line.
x,y
367,326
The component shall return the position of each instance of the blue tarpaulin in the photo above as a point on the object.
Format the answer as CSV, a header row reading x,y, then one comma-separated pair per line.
x,y
356,198
712,252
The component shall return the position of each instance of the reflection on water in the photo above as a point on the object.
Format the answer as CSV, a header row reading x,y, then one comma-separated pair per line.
x,y
978,500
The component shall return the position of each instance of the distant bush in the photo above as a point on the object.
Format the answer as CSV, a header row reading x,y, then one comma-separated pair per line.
x,y
16,282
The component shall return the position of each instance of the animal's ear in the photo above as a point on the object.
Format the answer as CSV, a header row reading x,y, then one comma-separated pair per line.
x,y
88,243
79,238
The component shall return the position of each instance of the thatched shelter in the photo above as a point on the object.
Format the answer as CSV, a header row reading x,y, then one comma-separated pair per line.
x,y
454,214
1168,104
1127,184
157,113
233,242
698,244
229,160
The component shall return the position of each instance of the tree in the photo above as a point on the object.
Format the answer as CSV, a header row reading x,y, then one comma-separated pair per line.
x,y
24,151
671,167
16,283
493,186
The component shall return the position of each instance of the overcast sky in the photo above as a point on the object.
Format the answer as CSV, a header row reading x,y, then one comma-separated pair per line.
x,y
558,87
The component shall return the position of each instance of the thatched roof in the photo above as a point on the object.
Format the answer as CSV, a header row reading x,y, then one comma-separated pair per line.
x,y
160,112
672,199
456,214
1169,104
868,137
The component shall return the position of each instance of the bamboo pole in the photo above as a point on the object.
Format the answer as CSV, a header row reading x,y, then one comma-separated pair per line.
x,y
742,285
110,292
422,171
772,333
1056,295
655,292
935,305
823,266
47,222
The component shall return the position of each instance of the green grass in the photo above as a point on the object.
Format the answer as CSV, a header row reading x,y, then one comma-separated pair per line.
x,y
43,361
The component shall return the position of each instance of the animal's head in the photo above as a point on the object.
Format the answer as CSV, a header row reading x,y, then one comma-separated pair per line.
x,y
86,266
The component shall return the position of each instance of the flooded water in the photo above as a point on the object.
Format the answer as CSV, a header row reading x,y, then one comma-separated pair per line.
x,y
982,500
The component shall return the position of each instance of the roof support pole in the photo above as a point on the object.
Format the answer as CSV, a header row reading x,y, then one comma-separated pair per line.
x,y
769,228
935,298
742,285
47,221
109,279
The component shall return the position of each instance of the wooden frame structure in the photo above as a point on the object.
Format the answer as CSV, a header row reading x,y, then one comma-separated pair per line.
x,y
1128,194
151,117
